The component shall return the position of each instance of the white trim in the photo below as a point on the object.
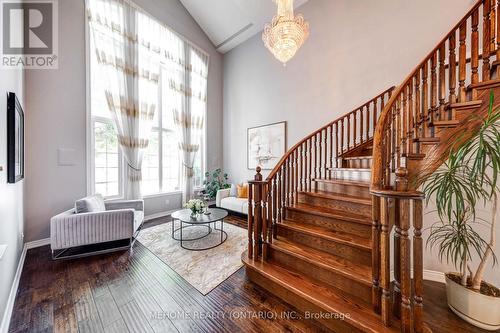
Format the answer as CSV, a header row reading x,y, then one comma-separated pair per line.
x,y
428,275
37,243
158,215
4,328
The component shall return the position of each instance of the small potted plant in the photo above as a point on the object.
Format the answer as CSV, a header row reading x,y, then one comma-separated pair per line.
x,y
196,206
467,178
215,181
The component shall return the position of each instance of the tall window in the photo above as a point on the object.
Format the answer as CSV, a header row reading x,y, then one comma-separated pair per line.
x,y
162,163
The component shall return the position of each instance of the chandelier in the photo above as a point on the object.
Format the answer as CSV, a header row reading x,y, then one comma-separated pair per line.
x,y
286,33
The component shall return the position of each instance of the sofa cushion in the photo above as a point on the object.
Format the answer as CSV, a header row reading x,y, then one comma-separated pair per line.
x,y
233,192
90,204
242,191
239,205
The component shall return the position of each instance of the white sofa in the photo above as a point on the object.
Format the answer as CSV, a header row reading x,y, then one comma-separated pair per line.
x,y
225,200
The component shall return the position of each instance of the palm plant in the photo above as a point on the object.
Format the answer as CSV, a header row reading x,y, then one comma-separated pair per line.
x,y
469,176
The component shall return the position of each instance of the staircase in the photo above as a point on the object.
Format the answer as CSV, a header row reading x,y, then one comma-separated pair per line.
x,y
319,226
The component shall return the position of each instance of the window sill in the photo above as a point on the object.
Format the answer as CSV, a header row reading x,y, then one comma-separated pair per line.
x,y
161,194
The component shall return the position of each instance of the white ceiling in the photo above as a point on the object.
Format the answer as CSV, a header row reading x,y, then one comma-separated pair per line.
x,y
229,23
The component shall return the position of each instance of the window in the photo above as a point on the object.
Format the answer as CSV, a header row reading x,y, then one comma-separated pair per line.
x,y
162,163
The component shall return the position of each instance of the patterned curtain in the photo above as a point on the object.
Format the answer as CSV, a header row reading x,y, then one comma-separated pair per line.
x,y
187,73
130,65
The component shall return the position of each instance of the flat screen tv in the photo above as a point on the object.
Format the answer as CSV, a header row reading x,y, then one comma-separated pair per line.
x,y
15,139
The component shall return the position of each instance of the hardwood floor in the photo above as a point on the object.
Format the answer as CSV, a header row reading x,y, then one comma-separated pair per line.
x,y
136,292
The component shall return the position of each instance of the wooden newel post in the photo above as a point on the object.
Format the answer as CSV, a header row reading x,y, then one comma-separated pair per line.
x,y
404,251
257,223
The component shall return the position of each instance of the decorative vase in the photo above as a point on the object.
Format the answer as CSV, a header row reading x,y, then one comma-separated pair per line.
x,y
194,215
480,310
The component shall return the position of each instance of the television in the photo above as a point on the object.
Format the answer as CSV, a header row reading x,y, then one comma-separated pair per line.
x,y
15,139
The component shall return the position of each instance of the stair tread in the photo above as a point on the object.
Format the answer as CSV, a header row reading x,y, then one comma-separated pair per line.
x,y
326,260
333,213
322,232
343,182
329,299
337,196
429,139
361,157
446,123
473,103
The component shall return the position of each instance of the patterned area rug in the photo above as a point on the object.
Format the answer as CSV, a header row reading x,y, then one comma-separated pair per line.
x,y
206,269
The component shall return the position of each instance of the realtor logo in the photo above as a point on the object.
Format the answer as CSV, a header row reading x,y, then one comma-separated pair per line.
x,y
29,34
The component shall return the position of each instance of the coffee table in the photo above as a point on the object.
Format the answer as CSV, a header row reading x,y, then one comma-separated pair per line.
x,y
184,220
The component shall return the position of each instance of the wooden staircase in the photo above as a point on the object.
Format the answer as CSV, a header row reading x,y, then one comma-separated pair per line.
x,y
319,226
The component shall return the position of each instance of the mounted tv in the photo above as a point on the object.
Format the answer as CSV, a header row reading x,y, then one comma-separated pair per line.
x,y
15,139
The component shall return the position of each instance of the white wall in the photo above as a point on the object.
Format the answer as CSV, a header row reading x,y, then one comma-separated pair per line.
x,y
56,103
356,50
11,195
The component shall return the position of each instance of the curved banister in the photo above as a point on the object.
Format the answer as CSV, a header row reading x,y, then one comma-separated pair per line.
x,y
384,120
274,171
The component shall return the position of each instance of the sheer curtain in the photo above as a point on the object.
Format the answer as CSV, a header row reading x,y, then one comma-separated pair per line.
x,y
187,71
131,49
130,66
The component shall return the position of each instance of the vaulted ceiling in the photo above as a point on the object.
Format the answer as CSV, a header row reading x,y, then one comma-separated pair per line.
x,y
229,23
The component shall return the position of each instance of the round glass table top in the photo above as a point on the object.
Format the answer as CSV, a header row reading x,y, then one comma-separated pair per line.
x,y
184,215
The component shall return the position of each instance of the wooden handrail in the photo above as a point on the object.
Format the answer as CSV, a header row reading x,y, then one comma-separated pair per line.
x,y
272,174
384,121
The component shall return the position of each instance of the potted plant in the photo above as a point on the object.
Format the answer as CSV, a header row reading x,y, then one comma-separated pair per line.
x,y
215,181
468,178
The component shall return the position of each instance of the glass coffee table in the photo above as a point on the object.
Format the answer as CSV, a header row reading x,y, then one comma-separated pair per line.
x,y
182,220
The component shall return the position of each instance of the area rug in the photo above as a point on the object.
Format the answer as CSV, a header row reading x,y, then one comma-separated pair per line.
x,y
204,270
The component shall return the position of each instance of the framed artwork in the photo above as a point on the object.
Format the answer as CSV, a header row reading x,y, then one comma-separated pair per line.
x,y
15,139
266,145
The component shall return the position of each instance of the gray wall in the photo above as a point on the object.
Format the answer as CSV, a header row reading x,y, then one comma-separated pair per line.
x,y
356,49
11,195
56,104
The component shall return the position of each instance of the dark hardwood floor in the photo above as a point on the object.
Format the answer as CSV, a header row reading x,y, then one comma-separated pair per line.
x,y
136,292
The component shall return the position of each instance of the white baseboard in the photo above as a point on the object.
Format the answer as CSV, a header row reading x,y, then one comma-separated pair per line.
x,y
4,328
158,215
37,243
428,275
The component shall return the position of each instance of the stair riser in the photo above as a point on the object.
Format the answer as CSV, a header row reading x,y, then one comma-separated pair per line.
x,y
347,206
358,191
303,305
356,255
352,175
312,271
363,230
357,163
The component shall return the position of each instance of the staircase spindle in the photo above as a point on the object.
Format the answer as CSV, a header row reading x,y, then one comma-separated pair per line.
x,y
497,46
434,86
475,47
418,115
462,62
265,215
442,80
452,80
411,116
309,161
493,24
425,100
486,39
332,137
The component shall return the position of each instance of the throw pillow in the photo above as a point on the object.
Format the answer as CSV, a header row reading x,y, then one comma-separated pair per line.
x,y
233,192
242,191
90,204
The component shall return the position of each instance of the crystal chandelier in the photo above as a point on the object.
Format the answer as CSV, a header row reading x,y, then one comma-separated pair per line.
x,y
286,33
